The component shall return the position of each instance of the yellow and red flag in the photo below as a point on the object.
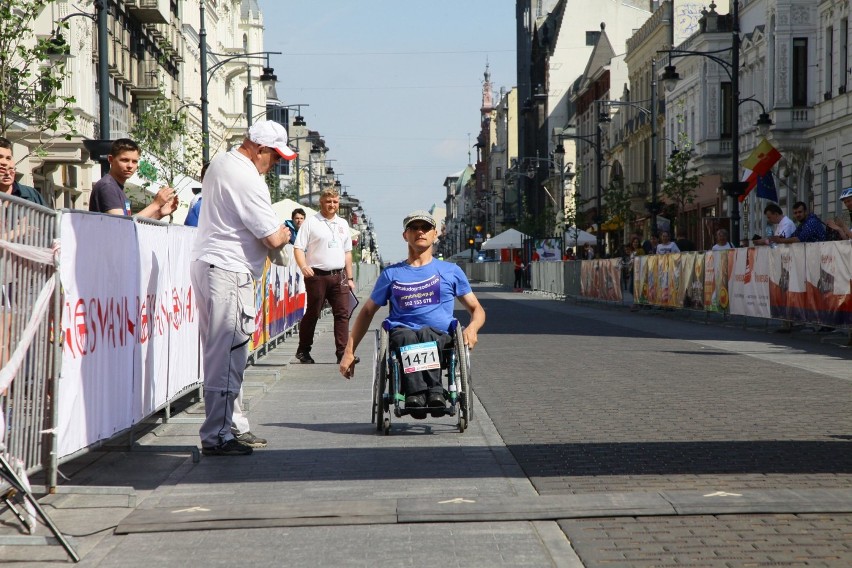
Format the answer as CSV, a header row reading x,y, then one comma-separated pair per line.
x,y
758,164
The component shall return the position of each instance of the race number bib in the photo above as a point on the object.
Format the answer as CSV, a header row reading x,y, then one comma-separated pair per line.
x,y
420,357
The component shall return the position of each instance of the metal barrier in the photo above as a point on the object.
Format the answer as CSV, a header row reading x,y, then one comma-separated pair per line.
x,y
30,355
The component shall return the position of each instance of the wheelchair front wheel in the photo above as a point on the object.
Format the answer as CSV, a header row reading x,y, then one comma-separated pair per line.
x,y
380,380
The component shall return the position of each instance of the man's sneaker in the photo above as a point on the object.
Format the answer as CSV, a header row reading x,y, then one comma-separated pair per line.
x,y
436,401
250,440
305,358
230,448
416,402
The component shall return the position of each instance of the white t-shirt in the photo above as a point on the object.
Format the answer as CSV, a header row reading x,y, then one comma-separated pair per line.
x,y
324,241
667,248
236,213
725,246
785,228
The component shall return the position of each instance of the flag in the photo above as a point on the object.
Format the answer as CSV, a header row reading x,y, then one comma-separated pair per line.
x,y
766,188
762,158
758,164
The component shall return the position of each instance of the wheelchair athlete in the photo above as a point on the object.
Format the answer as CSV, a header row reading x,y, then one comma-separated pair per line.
x,y
421,291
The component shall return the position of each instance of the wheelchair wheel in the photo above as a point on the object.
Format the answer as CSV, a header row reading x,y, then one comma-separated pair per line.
x,y
380,380
463,380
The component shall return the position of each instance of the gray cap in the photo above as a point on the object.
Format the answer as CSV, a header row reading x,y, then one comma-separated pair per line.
x,y
419,215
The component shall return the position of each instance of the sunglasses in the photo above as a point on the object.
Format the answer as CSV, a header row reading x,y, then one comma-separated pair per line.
x,y
425,227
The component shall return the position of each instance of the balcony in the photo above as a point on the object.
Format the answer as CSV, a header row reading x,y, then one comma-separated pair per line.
x,y
146,84
149,11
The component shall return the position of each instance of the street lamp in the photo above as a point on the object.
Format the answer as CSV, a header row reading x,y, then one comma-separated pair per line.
x,y
654,207
734,188
268,80
596,142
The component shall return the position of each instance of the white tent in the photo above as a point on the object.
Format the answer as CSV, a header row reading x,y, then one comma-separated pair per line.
x,y
463,255
509,239
582,236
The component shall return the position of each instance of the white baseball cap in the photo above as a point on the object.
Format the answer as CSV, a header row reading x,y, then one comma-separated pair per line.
x,y
271,134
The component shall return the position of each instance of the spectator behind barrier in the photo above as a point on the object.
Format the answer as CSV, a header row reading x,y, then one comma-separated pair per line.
x,y
838,224
809,230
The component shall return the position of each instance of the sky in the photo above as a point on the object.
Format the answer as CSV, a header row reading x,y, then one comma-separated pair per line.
x,y
394,88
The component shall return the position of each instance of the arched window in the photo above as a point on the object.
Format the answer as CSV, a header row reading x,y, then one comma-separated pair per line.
x,y
824,193
245,43
838,186
807,187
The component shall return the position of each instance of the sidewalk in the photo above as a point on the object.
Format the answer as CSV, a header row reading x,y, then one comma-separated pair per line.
x,y
324,460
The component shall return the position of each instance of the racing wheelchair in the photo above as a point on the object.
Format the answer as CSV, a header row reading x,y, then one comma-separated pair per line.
x,y
388,368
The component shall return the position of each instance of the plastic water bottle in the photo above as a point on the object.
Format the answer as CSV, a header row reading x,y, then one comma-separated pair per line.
x,y
768,235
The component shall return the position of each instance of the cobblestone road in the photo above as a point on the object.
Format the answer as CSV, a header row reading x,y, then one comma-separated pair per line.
x,y
597,399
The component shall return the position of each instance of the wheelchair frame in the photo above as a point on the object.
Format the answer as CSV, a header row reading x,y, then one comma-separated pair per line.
x,y
387,400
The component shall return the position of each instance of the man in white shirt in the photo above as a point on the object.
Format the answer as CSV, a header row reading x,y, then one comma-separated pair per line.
x,y
323,251
236,229
782,226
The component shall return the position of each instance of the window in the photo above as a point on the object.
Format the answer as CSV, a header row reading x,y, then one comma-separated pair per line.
x,y
800,72
829,60
844,54
824,192
725,115
838,186
499,173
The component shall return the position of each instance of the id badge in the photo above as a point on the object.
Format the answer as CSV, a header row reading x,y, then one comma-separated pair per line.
x,y
420,357
332,244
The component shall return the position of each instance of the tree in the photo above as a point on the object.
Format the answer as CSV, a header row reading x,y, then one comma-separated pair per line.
x,y
31,75
618,201
169,139
574,216
681,180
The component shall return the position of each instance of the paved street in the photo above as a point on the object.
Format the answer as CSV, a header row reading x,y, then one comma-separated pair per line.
x,y
602,437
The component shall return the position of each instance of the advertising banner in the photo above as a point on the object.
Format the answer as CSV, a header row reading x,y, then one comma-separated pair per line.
x,y
749,282
829,276
100,318
717,268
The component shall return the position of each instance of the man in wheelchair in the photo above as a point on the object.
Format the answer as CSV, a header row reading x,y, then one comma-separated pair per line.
x,y
422,292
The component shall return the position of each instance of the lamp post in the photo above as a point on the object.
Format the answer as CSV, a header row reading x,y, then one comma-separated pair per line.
x,y
733,188
98,148
268,79
596,142
654,207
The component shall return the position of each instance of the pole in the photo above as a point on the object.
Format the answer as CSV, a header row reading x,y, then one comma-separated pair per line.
x,y
310,180
654,148
103,76
205,118
735,123
599,193
248,96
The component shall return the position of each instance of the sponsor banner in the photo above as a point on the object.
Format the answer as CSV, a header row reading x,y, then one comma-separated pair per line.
x,y
788,296
691,291
285,290
749,282
548,249
601,279
259,336
184,341
101,315
717,268
828,280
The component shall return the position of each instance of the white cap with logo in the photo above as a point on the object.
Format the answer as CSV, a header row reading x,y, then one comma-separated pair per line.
x,y
272,135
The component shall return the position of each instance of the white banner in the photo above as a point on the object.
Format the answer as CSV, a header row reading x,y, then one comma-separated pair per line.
x,y
184,342
100,281
130,324
749,282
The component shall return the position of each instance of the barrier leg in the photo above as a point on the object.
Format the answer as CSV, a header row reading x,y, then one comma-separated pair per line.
x,y
9,474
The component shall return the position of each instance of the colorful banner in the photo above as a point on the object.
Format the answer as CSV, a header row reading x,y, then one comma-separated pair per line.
x,y
829,283
548,249
280,298
691,290
717,266
601,279
749,282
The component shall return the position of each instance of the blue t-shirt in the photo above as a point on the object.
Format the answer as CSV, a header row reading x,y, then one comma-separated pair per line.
x,y
422,295
194,212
